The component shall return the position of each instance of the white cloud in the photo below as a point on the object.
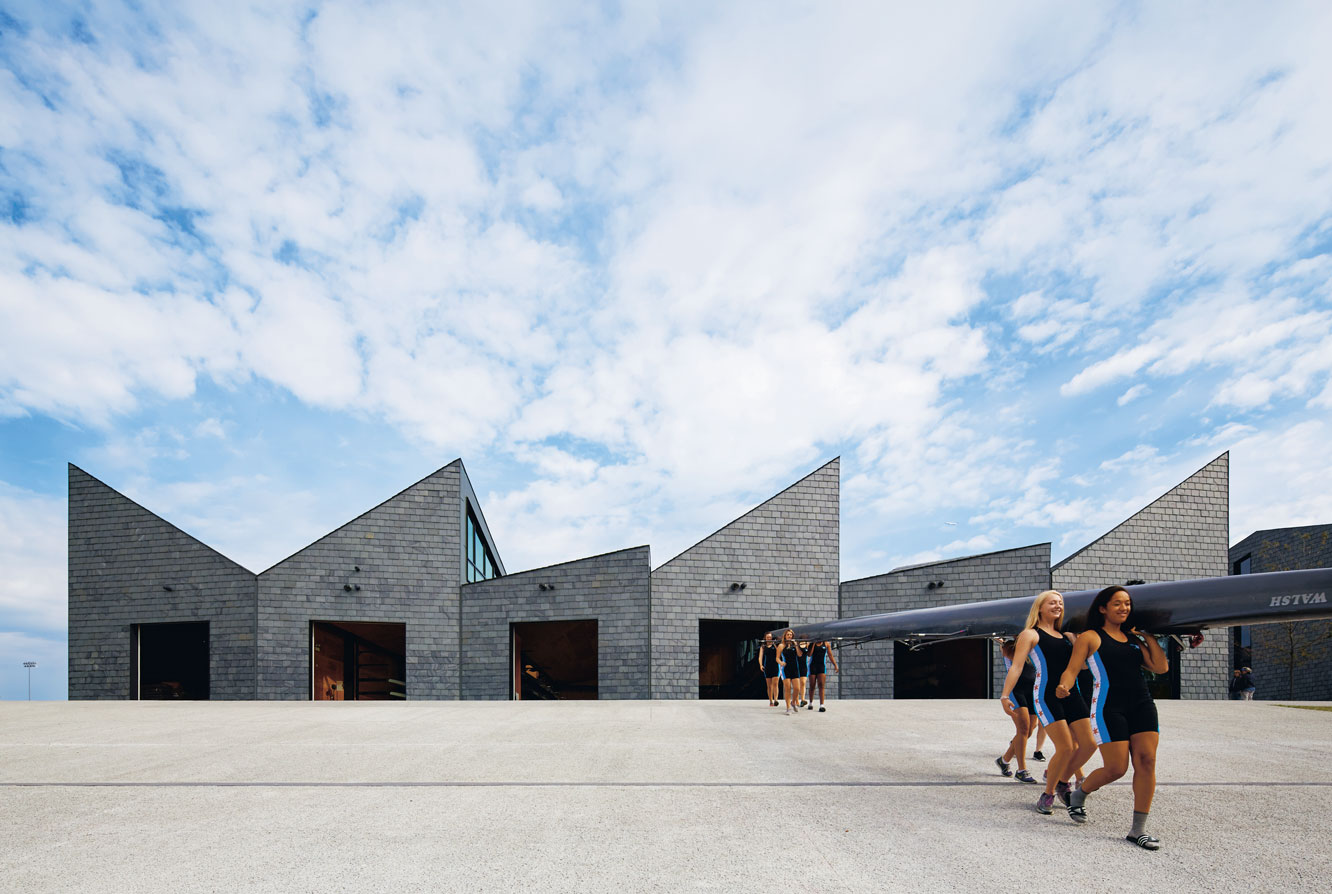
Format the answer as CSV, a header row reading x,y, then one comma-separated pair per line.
x,y
1133,393
675,252
33,552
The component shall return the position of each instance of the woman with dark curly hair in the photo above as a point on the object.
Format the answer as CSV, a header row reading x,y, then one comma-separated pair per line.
x,y
1123,714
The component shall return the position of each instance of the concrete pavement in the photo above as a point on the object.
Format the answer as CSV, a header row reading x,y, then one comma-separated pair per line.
x,y
632,796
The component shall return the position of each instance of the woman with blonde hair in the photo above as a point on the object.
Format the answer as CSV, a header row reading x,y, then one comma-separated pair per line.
x,y
1065,719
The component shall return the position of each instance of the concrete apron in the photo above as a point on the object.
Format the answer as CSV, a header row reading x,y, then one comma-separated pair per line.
x,y
650,796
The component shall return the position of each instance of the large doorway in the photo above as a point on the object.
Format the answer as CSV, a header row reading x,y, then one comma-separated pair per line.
x,y
358,661
554,660
959,668
171,661
728,658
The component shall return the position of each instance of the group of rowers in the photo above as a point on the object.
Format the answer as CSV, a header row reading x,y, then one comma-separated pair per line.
x,y
1113,709
1110,708
799,668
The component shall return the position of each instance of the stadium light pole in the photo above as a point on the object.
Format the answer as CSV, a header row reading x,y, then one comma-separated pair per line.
x,y
29,665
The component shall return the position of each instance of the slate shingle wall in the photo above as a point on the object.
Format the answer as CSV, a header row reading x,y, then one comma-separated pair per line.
x,y
785,551
867,671
1182,535
120,558
614,589
409,550
1291,660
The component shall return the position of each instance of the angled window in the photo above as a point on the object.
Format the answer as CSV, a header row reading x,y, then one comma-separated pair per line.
x,y
480,563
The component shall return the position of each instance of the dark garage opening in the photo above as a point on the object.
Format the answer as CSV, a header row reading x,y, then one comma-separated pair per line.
x,y
358,661
728,658
554,660
171,660
956,669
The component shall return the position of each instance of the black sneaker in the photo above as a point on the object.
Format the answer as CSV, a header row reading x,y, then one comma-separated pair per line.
x,y
822,709
1003,767
809,707
1037,756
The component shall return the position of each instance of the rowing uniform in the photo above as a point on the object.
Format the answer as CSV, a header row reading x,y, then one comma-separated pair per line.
x,y
1020,697
770,668
1121,704
792,666
1051,655
818,657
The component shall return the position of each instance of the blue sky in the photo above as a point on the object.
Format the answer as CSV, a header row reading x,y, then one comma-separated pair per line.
x,y
642,266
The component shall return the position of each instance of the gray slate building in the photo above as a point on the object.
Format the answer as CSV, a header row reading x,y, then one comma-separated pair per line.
x,y
1291,660
411,600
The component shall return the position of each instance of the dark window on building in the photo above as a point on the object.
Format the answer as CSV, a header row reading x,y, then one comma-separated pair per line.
x,y
1243,566
1241,641
170,661
1166,685
480,561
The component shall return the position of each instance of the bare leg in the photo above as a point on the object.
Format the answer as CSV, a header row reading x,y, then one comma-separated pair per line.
x,y
1064,749
1114,764
1142,749
1017,745
1086,745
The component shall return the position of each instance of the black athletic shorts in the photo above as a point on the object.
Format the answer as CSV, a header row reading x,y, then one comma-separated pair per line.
x,y
1051,710
771,670
1118,724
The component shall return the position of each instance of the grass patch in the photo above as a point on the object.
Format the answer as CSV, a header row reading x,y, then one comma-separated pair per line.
x,y
1308,707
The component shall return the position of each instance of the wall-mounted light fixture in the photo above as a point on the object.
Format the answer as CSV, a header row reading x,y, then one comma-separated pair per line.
x,y
346,587
934,585
544,587
356,568
168,588
737,586
356,587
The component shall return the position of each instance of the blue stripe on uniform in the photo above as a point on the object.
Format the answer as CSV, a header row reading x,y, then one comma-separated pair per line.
x,y
1100,691
1038,689
1012,697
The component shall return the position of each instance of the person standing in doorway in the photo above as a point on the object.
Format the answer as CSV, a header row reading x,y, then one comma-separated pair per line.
x,y
767,659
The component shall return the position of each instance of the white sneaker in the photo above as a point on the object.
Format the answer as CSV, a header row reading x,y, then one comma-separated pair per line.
x,y
788,712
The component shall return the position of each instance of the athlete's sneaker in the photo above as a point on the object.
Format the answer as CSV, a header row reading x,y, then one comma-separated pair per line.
x,y
1037,756
1024,776
1045,804
1061,789
1003,767
788,712
822,709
